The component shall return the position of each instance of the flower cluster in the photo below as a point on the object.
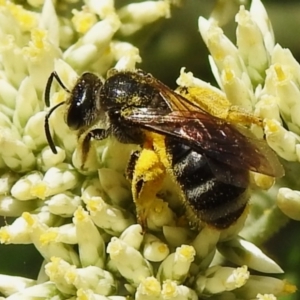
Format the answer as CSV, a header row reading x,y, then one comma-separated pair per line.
x,y
82,221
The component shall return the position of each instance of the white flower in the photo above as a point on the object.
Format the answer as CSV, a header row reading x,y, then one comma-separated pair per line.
x,y
242,252
129,262
176,266
289,202
264,285
111,219
13,284
154,249
149,288
90,242
219,279
134,16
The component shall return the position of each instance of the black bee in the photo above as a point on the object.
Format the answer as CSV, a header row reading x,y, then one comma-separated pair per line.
x,y
209,157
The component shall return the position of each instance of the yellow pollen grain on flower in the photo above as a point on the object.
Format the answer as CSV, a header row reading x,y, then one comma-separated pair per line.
x,y
186,252
37,45
53,267
219,55
271,125
94,205
263,181
80,214
71,275
163,248
266,297
169,289
115,248
82,295
150,286
91,205
281,76
241,275
83,20
55,260
289,288
28,218
39,190
38,37
26,19
158,206
47,237
4,235
228,75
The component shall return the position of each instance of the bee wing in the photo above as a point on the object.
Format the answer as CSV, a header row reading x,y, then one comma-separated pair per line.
x,y
215,138
175,101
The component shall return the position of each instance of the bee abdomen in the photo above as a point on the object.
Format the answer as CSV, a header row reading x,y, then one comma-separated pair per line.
x,y
207,199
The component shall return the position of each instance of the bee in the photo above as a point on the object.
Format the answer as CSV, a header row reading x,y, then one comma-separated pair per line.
x,y
208,152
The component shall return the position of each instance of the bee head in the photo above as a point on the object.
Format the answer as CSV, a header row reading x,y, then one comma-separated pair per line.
x,y
82,106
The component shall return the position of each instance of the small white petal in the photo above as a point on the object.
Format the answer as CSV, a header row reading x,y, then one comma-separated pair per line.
x,y
260,16
154,249
136,15
10,285
242,252
90,243
130,262
176,266
289,203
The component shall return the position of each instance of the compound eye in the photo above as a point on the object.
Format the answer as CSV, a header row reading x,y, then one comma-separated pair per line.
x,y
75,116
82,103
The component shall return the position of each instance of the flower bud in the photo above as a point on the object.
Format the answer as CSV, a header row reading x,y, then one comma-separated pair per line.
x,y
129,262
176,266
289,202
91,245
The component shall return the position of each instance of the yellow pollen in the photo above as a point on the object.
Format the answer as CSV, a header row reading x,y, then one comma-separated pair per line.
x,y
94,205
39,190
272,126
38,37
27,20
187,252
48,237
229,74
162,248
80,214
169,289
289,288
281,76
4,235
28,218
151,286
83,20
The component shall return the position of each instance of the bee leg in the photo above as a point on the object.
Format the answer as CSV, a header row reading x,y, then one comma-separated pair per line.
x,y
49,84
131,164
240,116
146,173
84,141
218,106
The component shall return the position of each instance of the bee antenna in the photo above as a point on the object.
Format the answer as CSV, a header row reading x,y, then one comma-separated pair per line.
x,y
49,84
47,128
